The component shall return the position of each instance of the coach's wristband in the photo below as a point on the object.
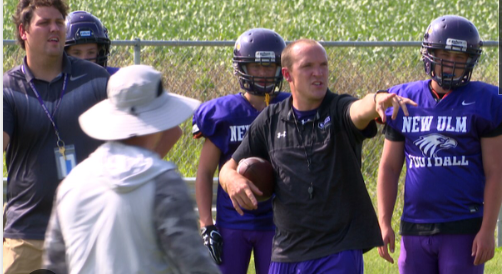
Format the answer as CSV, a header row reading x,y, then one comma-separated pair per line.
x,y
379,91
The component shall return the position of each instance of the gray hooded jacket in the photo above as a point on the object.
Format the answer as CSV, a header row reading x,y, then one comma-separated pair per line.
x,y
124,210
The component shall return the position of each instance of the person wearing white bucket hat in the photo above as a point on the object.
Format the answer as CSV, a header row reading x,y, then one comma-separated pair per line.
x,y
124,209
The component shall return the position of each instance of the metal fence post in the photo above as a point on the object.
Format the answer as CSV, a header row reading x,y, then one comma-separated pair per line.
x,y
137,51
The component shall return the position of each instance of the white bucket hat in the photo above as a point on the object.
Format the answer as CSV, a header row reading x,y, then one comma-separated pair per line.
x,y
137,105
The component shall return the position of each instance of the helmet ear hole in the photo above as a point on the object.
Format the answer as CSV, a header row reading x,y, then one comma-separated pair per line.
x,y
244,68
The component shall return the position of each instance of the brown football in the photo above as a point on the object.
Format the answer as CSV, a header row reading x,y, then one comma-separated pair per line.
x,y
261,173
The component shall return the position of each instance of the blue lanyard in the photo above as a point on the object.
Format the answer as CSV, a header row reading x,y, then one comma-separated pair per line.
x,y
60,143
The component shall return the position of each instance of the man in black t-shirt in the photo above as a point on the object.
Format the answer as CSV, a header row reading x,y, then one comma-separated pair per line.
x,y
324,216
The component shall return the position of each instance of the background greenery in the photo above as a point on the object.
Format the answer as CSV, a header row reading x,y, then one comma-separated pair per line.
x,y
364,20
205,72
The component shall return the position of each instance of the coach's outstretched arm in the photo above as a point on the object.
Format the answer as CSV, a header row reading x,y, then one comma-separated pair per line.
x,y
238,187
373,105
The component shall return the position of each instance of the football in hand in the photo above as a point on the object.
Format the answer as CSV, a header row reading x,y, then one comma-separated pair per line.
x,y
261,173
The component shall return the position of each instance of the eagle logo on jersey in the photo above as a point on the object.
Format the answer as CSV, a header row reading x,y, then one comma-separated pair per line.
x,y
431,144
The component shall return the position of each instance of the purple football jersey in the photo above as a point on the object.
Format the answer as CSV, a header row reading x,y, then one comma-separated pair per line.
x,y
445,178
225,121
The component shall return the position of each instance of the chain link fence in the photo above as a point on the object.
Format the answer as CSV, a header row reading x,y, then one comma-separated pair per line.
x,y
203,70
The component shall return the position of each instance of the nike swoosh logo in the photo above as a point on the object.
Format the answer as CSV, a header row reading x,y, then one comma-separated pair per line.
x,y
77,77
466,104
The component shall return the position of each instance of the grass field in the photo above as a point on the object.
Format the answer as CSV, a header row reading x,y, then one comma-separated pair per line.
x,y
328,20
205,73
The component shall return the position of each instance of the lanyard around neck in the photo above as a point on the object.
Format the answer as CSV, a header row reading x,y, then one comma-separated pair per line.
x,y
46,110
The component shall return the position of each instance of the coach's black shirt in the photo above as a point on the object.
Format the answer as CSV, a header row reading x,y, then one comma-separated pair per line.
x,y
340,215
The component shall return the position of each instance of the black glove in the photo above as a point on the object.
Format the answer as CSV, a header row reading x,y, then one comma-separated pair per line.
x,y
213,241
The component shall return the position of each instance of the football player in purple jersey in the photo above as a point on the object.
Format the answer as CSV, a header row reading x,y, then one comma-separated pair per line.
x,y
223,122
87,38
451,143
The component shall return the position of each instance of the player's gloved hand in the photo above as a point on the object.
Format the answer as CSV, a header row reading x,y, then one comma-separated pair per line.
x,y
213,241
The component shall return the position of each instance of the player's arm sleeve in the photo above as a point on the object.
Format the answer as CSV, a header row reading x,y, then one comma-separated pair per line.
x,y
54,257
494,133
203,123
196,130
392,135
176,226
196,133
492,126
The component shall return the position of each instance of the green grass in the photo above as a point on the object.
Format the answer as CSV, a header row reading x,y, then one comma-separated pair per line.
x,y
328,20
